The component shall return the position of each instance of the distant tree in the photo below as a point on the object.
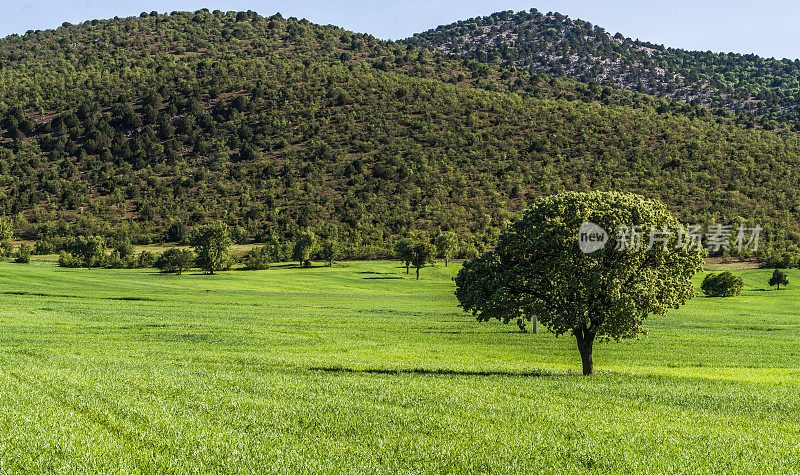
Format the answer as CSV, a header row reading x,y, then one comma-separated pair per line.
x,y
404,250
724,284
23,254
537,270
6,228
176,232
175,260
6,248
446,244
90,251
304,248
211,243
258,259
329,251
145,259
422,253
778,278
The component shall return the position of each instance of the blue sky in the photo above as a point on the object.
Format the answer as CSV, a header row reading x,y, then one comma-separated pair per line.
x,y
768,28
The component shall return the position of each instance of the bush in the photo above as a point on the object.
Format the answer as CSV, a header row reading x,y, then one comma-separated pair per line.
x,y
43,247
175,260
23,254
257,259
724,284
5,249
66,259
145,259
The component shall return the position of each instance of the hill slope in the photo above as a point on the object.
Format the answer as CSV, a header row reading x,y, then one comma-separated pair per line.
x,y
119,127
555,44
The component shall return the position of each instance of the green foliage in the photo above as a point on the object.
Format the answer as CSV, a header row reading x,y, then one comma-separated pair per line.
x,y
446,245
304,247
6,249
538,271
23,254
211,243
724,284
6,228
404,251
66,259
422,253
381,139
145,259
778,278
258,259
329,250
88,251
175,260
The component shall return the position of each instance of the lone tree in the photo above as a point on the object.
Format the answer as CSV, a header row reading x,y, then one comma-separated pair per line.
x,y
211,243
778,278
538,270
446,244
422,253
404,250
304,247
175,260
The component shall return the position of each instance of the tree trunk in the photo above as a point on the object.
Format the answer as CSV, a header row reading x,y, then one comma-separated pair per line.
x,y
535,322
417,273
445,262
585,342
408,266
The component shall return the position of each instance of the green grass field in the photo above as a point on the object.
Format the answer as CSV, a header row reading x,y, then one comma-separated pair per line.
x,y
361,369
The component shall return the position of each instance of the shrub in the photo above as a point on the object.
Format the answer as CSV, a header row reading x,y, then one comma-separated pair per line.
x,y
145,259
257,259
724,284
66,259
175,260
23,254
43,247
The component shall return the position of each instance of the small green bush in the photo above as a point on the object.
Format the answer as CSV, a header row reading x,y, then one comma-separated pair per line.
x,y
257,259
66,259
724,284
23,254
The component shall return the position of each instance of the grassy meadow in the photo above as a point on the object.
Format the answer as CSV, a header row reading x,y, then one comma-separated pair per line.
x,y
361,369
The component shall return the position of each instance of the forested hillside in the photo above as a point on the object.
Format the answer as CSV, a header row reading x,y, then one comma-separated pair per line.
x,y
126,126
764,90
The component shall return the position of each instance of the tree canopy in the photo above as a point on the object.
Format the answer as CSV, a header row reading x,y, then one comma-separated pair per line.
x,y
210,243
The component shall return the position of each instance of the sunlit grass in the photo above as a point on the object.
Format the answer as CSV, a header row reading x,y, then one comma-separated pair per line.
x,y
360,368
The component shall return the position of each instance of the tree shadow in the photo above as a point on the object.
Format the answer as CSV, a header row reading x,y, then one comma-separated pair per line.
x,y
438,372
297,266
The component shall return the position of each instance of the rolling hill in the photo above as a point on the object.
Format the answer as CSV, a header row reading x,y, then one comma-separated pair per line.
x,y
121,127
763,90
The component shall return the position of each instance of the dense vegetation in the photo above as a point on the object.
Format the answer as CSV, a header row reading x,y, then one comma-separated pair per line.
x,y
140,129
764,90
